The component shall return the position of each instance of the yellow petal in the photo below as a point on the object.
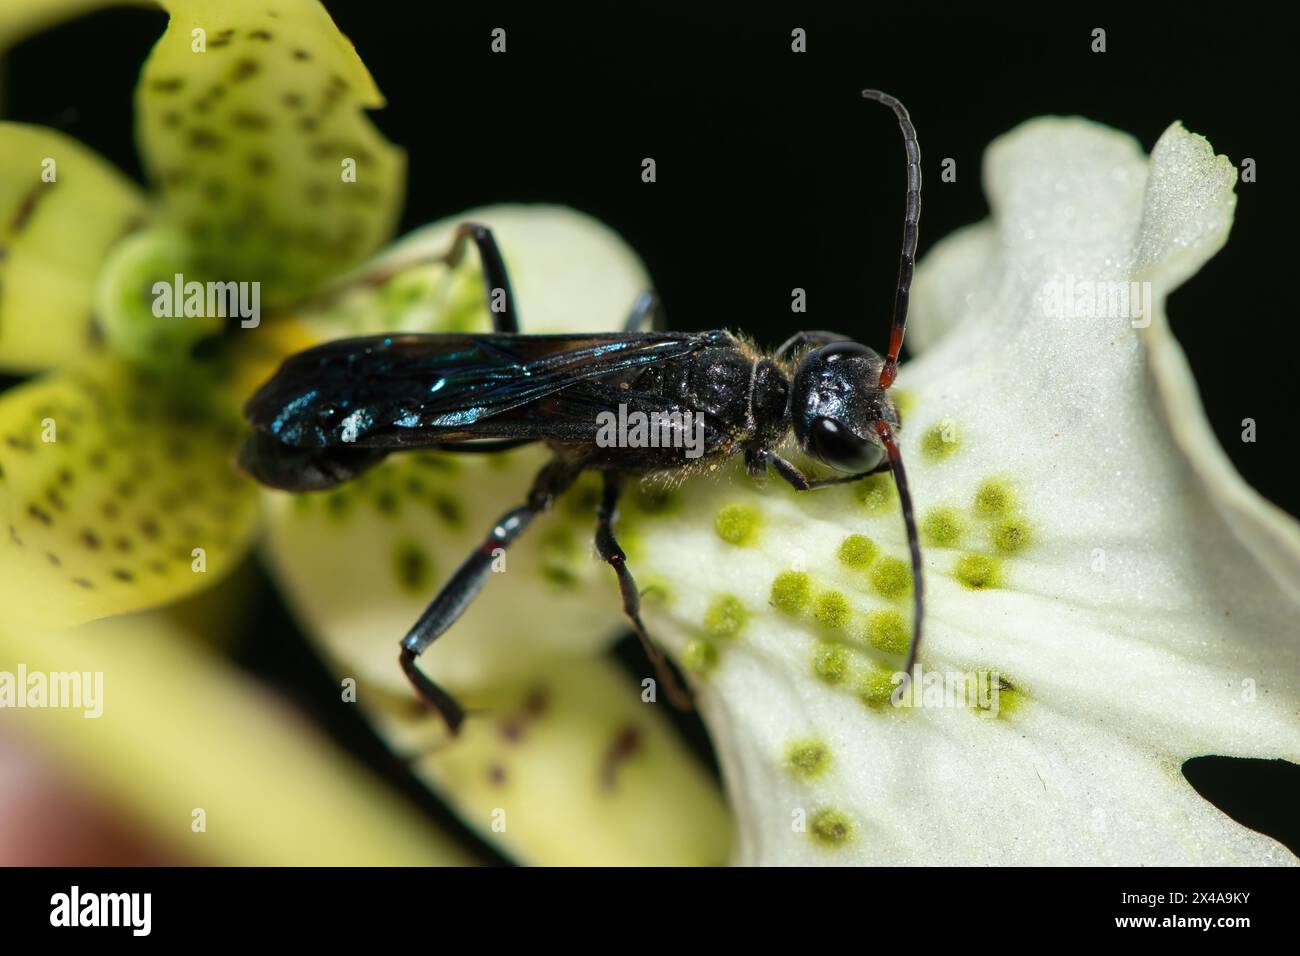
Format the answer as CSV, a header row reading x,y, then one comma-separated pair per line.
x,y
61,209
181,731
571,768
260,145
117,492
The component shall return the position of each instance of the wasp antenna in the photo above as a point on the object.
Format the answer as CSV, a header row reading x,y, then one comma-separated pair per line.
x,y
913,543
911,220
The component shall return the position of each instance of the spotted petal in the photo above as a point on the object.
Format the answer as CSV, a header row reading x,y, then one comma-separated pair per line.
x,y
568,767
117,492
62,209
250,118
1131,606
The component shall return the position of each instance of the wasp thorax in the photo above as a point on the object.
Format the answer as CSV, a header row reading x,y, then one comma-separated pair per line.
x,y
835,402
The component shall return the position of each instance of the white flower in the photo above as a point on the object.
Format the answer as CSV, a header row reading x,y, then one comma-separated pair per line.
x,y
1087,541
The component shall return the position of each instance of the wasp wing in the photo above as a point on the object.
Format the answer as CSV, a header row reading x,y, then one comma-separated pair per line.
x,y
391,391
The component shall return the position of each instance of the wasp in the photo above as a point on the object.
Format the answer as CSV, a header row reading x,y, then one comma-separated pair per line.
x,y
335,410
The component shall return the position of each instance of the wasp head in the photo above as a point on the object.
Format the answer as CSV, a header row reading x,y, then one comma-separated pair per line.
x,y
835,402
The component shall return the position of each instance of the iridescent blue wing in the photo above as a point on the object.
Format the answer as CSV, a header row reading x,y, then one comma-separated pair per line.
x,y
392,391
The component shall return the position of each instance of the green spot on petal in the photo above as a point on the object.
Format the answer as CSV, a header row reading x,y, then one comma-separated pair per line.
x,y
891,578
831,610
1012,535
701,655
978,572
887,631
791,591
831,828
876,688
807,758
857,551
994,498
738,524
1002,698
940,441
830,663
943,527
876,493
725,617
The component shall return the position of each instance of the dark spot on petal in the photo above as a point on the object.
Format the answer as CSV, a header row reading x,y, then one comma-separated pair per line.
x,y
496,775
167,85
536,702
243,70
82,583
53,558
246,119
301,54
262,35
39,515
90,539
123,575
626,744
293,100
201,138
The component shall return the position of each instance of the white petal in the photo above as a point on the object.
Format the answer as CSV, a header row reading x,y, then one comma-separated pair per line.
x,y
1145,621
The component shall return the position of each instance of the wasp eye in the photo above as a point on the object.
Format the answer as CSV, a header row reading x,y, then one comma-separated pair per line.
x,y
841,449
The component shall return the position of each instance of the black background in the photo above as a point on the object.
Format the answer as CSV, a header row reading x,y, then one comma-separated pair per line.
x,y
772,173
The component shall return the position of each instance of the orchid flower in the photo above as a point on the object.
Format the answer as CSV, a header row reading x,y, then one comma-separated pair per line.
x,y
119,497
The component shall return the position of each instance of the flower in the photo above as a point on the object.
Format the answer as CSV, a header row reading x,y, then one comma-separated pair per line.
x,y
118,494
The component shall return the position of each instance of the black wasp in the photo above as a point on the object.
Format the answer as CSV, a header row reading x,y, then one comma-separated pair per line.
x,y
335,410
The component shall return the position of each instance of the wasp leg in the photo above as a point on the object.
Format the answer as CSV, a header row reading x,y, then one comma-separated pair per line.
x,y
801,482
465,584
648,305
608,548
495,277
